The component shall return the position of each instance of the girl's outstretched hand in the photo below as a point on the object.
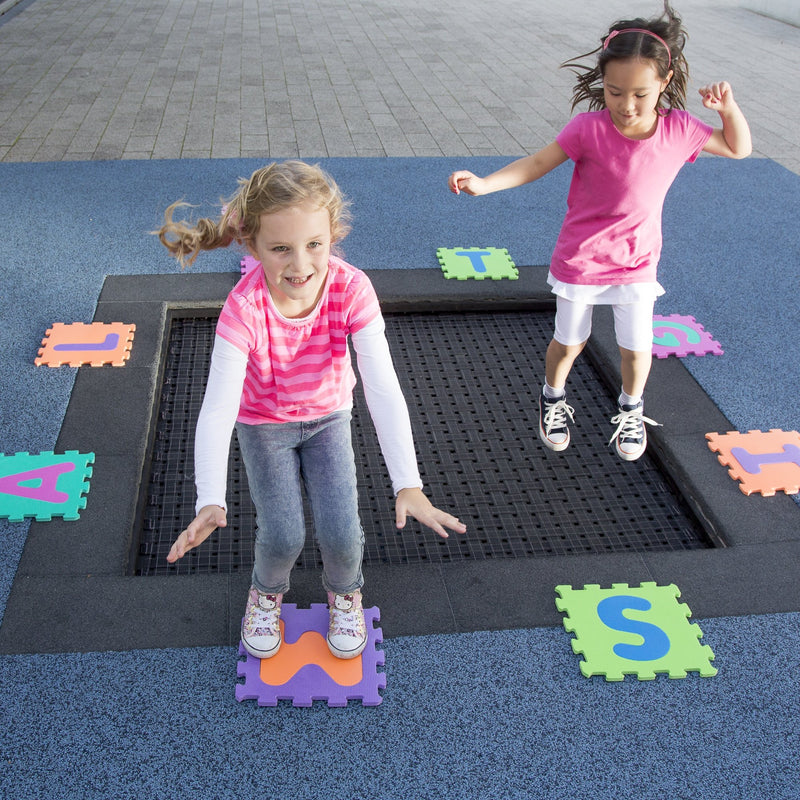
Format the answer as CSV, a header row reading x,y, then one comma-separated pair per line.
x,y
717,96
414,502
201,527
467,182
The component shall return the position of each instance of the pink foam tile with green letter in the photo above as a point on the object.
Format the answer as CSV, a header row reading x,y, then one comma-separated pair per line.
x,y
679,335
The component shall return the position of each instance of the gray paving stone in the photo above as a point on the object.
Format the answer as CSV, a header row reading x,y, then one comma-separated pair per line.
x,y
376,77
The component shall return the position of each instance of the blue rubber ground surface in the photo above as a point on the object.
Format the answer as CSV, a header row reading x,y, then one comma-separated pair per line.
x,y
488,715
485,715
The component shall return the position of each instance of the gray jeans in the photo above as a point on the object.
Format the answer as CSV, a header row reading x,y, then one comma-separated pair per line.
x,y
281,458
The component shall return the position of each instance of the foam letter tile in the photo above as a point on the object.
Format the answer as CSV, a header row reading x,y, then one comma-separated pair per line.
x,y
639,631
77,344
764,462
44,486
304,669
248,264
464,263
682,336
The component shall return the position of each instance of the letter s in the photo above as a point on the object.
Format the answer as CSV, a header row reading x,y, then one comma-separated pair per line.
x,y
656,643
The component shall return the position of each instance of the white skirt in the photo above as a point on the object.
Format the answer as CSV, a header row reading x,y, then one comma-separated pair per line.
x,y
616,294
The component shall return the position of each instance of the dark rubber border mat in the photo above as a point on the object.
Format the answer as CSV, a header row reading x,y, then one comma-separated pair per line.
x,y
88,564
471,382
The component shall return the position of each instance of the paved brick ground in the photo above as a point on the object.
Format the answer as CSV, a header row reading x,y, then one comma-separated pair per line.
x,y
108,79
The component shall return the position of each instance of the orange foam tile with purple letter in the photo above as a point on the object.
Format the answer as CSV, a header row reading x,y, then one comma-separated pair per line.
x,y
79,344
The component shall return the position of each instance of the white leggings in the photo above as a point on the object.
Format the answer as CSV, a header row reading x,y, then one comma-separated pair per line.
x,y
633,323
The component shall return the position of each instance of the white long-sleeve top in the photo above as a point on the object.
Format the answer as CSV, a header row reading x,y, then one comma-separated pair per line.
x,y
220,408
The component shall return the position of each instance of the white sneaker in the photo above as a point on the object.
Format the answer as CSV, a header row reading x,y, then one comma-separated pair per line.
x,y
553,429
347,632
261,630
630,437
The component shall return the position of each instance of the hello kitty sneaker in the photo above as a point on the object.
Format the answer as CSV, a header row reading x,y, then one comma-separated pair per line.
x,y
347,633
261,632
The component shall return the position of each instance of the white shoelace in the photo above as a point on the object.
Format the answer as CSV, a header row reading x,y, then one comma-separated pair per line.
x,y
347,623
629,424
556,415
262,622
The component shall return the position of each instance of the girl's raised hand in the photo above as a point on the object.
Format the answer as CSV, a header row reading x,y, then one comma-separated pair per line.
x,y
717,96
201,527
414,502
467,182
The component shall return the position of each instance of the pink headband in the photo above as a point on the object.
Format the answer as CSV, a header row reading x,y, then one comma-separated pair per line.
x,y
638,30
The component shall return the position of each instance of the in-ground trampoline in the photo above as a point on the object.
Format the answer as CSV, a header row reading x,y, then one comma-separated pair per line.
x,y
470,357
471,379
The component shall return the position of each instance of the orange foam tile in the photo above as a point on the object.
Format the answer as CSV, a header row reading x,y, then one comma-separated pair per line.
x,y
310,648
763,462
79,344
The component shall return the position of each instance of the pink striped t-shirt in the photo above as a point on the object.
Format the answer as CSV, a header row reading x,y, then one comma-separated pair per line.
x,y
297,369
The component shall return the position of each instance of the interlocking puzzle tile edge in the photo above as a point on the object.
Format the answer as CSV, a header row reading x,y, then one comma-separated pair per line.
x,y
76,504
367,691
748,484
463,274
706,346
703,653
48,357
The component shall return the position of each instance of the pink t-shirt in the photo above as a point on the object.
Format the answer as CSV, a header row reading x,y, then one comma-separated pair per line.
x,y
297,369
611,233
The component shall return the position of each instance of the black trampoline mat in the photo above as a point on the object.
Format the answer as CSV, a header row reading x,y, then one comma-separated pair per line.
x,y
471,381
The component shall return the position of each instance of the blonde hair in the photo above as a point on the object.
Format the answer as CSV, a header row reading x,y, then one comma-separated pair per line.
x,y
272,188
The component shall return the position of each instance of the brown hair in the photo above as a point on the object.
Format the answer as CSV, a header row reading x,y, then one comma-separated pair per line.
x,y
636,44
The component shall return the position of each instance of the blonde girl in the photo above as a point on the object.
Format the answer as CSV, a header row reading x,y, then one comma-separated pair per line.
x,y
281,375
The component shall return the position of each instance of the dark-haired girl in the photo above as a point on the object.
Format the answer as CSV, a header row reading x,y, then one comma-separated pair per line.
x,y
627,150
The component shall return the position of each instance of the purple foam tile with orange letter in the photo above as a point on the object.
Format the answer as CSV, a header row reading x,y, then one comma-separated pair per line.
x,y
304,669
